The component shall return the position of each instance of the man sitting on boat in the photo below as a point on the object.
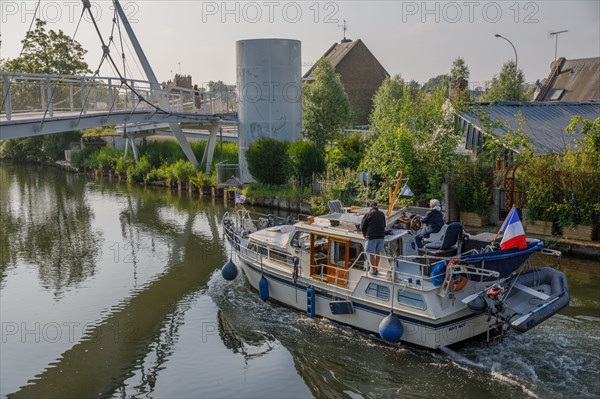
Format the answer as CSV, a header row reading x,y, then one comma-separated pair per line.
x,y
373,229
433,222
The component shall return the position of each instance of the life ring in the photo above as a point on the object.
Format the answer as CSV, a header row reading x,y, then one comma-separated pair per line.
x,y
455,285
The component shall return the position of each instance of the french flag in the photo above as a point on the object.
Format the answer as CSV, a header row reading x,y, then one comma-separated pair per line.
x,y
514,235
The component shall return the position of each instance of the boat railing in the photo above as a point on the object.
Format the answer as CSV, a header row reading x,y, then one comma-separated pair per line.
x,y
388,269
392,269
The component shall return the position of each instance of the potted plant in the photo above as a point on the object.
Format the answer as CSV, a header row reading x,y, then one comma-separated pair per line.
x,y
538,176
537,218
575,219
472,181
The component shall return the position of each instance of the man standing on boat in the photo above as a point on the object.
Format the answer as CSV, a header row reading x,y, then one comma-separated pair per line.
x,y
433,222
373,229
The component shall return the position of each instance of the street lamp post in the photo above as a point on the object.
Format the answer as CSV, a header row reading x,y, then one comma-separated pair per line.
x,y
513,46
516,64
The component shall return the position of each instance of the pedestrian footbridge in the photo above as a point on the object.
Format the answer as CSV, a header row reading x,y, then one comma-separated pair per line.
x,y
37,104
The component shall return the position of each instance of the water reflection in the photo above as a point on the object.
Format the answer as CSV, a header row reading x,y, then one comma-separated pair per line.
x,y
139,325
177,329
47,222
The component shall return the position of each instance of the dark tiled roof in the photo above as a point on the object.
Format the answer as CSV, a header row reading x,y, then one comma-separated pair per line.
x,y
335,54
580,80
545,122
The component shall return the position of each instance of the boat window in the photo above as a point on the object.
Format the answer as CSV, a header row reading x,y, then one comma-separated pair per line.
x,y
338,253
378,291
412,299
261,249
300,240
278,255
356,249
393,248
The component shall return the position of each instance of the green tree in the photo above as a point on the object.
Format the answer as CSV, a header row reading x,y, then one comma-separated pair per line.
x,y
416,134
306,160
387,102
268,161
459,69
435,83
348,153
325,106
48,52
507,86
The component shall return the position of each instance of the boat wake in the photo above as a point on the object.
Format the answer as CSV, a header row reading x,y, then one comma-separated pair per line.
x,y
553,360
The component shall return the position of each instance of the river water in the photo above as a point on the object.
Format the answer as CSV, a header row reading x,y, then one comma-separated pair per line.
x,y
110,290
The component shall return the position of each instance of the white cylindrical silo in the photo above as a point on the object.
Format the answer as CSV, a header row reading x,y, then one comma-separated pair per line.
x,y
269,89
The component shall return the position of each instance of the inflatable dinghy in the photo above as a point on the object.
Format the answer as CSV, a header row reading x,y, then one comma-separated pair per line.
x,y
524,300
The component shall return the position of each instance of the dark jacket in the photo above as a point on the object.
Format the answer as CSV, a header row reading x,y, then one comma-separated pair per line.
x,y
434,218
373,224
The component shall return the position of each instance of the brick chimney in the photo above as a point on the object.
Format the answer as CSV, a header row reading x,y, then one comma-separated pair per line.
x,y
457,87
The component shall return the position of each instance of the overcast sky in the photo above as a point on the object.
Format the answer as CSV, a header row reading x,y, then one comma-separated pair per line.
x,y
416,39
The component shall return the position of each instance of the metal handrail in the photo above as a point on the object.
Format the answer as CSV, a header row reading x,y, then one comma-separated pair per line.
x,y
32,92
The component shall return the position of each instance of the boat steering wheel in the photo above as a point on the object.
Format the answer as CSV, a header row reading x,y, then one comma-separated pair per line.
x,y
415,224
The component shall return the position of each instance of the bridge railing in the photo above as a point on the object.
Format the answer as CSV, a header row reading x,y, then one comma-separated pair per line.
x,y
26,94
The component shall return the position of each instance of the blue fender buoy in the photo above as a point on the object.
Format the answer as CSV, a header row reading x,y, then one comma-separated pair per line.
x,y
229,271
391,328
437,274
263,288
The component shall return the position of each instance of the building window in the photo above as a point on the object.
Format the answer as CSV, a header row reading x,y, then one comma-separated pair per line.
x,y
474,139
412,299
469,135
378,291
557,94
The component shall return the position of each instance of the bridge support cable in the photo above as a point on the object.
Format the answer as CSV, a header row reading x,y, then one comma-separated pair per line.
x,y
175,127
50,91
155,85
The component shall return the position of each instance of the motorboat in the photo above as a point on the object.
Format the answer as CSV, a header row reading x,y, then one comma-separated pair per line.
x,y
429,297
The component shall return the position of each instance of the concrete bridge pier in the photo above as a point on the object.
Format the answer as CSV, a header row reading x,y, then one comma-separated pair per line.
x,y
209,150
130,141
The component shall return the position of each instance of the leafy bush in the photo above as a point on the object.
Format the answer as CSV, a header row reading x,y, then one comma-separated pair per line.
x,y
47,149
306,160
122,164
348,153
200,179
162,152
268,161
138,171
182,170
104,159
539,177
566,189
79,157
288,192
472,180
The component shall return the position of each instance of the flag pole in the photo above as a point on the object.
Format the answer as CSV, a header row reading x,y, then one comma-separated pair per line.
x,y
501,227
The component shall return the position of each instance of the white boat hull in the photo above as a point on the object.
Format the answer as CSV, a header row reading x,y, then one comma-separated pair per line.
x,y
418,331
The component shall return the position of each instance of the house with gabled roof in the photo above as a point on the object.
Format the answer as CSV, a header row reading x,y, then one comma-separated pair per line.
x,y
360,72
571,80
